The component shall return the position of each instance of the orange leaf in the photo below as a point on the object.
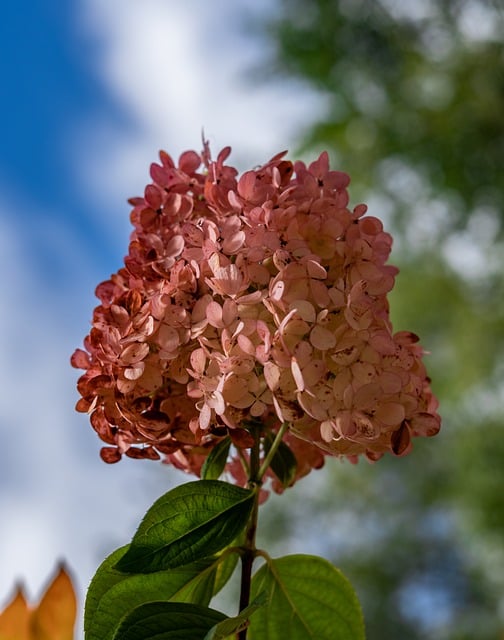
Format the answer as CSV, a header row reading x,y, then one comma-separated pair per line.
x,y
15,618
54,618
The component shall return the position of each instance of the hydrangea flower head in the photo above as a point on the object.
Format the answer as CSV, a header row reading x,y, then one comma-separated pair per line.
x,y
249,302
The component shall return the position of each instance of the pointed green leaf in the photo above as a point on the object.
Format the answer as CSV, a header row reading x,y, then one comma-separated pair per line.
x,y
168,621
231,626
112,595
190,522
103,580
309,599
216,460
284,463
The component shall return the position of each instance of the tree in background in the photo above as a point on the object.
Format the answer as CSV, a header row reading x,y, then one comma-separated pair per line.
x,y
414,103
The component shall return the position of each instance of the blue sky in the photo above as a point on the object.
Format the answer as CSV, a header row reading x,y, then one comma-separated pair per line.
x,y
91,90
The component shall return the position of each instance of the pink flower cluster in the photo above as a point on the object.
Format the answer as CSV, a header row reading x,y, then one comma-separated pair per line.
x,y
246,301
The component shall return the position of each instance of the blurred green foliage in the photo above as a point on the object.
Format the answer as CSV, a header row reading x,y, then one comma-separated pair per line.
x,y
412,97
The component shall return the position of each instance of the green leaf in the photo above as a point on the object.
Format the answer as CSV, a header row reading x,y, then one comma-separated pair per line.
x,y
309,599
190,522
103,580
112,595
216,460
284,463
168,621
225,569
231,626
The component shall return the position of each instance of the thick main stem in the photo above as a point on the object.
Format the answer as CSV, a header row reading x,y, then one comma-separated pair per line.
x,y
248,555
249,551
249,548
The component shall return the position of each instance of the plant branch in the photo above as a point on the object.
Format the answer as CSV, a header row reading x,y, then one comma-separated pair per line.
x,y
269,457
249,551
249,548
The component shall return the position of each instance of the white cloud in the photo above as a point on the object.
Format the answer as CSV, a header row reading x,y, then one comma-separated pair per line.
x,y
57,498
177,68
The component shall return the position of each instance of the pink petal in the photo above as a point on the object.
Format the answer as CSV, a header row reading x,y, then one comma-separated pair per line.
x,y
278,409
277,291
257,409
135,372
358,318
110,454
251,298
229,311
390,413
243,402
214,314
304,310
312,406
80,359
316,270
189,161
313,372
327,430
363,373
216,402
234,389
360,210
224,153
153,196
401,440
134,353
425,424
320,293
168,338
367,396
246,184
297,375
198,360
371,226
390,382
232,244
175,246
322,339
193,234
272,375
345,424
303,353
246,345
205,417
235,201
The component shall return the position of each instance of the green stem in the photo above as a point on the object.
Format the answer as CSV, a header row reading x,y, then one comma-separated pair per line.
x,y
249,548
244,461
269,457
